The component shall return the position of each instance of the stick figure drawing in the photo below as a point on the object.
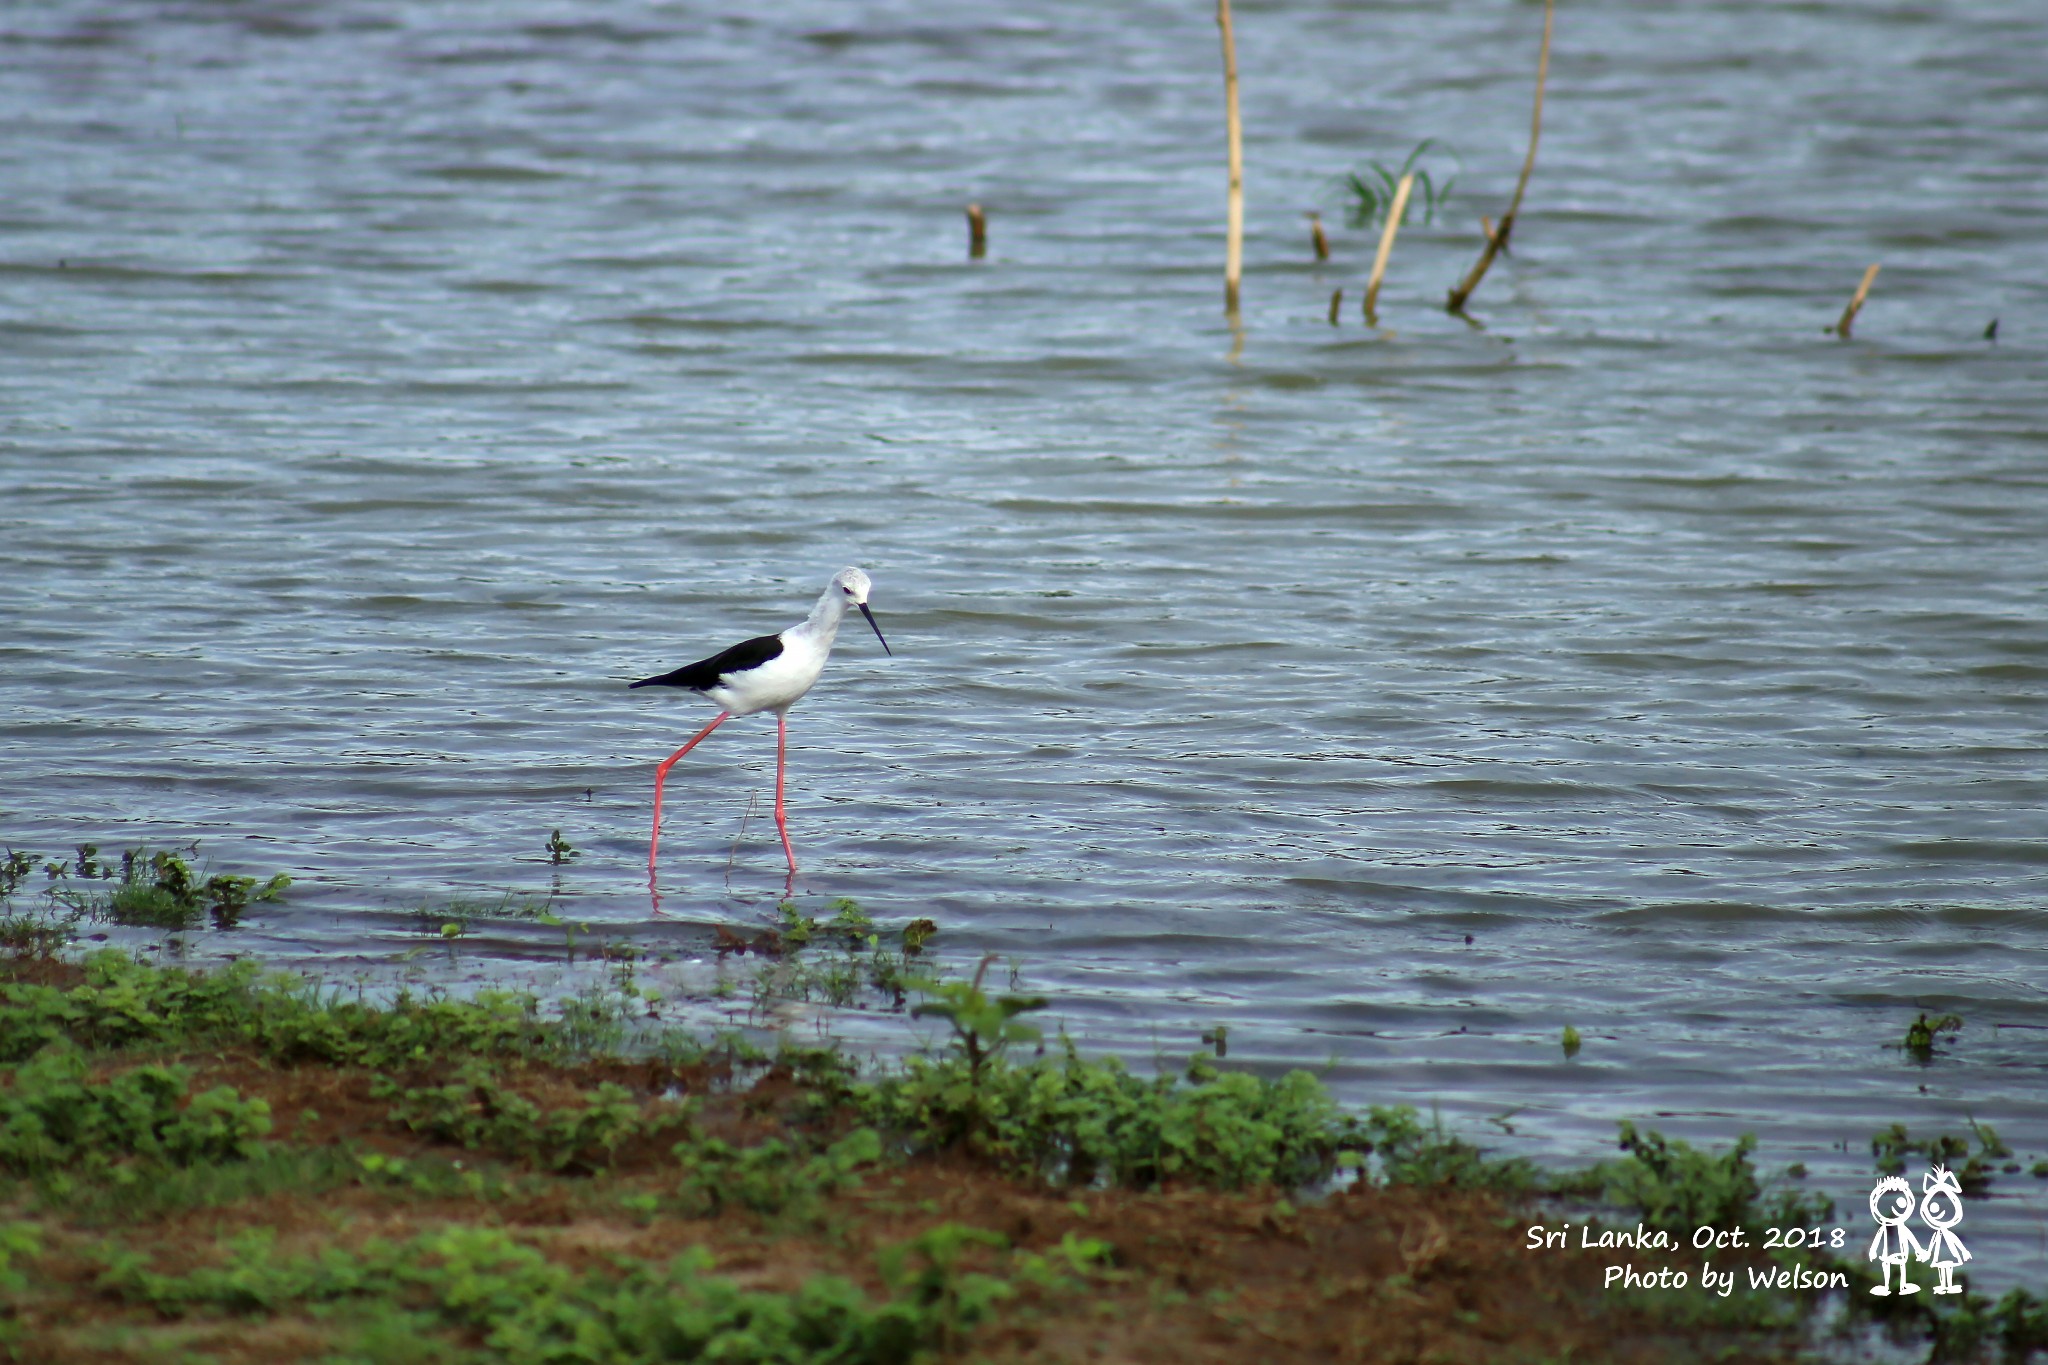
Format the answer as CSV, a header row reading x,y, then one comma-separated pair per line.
x,y
1891,1204
1941,1208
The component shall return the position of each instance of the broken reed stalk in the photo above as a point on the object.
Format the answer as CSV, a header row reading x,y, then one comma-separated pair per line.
x,y
1336,304
1497,238
1856,304
1315,233
977,232
1233,250
1387,234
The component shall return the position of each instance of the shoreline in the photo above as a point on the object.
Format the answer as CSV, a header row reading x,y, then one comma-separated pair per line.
x,y
311,1171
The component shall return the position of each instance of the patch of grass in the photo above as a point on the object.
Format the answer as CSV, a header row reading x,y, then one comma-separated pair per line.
x,y
509,908
773,1178
462,1285
1408,1152
479,1110
149,1192
1677,1187
1079,1122
56,1116
122,1003
2017,1324
1076,1121
37,934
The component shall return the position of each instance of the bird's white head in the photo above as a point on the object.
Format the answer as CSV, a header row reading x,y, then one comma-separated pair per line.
x,y
851,587
854,584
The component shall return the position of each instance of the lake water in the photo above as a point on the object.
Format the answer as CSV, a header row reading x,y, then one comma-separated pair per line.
x,y
383,384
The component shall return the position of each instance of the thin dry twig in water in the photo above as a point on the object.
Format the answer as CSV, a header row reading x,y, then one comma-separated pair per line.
x,y
733,856
1497,238
1316,237
1336,303
1233,250
1387,235
977,232
1856,304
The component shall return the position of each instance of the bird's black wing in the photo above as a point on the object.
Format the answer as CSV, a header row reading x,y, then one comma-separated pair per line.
x,y
708,673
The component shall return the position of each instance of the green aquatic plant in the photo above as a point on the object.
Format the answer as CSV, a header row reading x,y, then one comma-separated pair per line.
x,y
158,889
1923,1033
560,850
842,962
509,908
1372,196
1406,1151
15,869
162,890
1891,1146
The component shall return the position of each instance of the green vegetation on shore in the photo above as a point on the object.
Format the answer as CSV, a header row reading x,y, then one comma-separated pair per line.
x,y
230,1165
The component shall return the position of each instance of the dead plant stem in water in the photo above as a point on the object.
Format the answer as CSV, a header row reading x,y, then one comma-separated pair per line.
x,y
1233,251
1387,235
1856,304
1497,239
977,232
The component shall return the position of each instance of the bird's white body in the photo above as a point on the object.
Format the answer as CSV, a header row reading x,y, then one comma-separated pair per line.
x,y
779,683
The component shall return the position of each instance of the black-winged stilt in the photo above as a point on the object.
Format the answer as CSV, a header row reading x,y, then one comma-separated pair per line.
x,y
769,673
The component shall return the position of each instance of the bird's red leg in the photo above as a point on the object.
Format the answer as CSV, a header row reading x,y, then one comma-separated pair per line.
x,y
781,817
661,776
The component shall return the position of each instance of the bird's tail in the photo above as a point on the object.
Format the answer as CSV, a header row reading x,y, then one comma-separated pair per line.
x,y
672,678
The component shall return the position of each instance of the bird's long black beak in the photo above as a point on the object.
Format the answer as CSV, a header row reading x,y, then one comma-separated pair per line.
x,y
878,630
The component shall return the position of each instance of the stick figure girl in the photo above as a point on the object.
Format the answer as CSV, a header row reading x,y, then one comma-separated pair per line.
x,y
1941,1208
1894,1242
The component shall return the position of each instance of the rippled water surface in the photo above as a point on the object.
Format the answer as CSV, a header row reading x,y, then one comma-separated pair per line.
x,y
384,383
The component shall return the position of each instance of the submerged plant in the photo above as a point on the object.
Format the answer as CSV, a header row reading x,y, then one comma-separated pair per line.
x,y
1922,1034
839,962
159,890
1891,1146
1372,196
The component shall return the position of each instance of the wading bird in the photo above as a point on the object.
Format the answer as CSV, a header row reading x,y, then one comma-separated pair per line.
x,y
769,673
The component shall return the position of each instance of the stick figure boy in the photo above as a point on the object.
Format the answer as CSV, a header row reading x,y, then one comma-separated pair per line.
x,y
1894,1242
1941,1208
